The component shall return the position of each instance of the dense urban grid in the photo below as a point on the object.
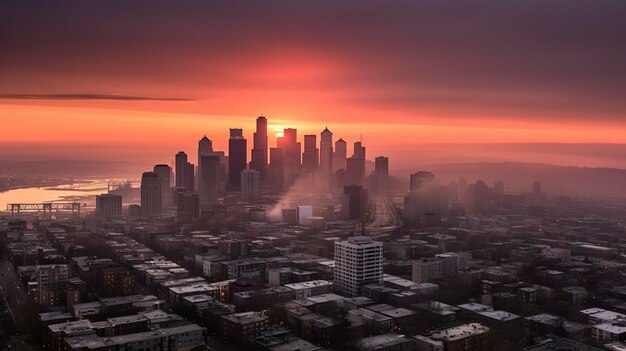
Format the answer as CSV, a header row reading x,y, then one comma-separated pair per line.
x,y
305,247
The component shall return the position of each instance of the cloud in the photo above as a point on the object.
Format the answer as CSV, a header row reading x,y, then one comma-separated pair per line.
x,y
87,97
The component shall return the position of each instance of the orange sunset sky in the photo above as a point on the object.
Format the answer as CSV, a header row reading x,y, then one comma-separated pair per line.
x,y
416,79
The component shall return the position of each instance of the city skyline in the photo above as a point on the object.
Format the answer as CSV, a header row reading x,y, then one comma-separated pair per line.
x,y
557,84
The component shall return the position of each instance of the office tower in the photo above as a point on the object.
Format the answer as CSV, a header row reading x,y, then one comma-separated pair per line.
x,y
310,155
237,158
108,205
289,142
339,157
359,150
181,170
250,184
187,205
205,147
358,262
190,176
427,201
209,179
381,170
420,181
480,195
164,172
355,171
275,169
326,154
150,194
354,203
260,148
355,166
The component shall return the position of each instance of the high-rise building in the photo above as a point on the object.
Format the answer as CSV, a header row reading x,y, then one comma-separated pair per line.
x,y
187,205
190,176
358,261
276,169
164,172
150,194
209,180
381,172
355,171
355,166
289,142
108,205
420,181
310,155
339,157
480,192
354,203
359,150
250,184
184,172
260,147
237,157
205,147
427,201
326,154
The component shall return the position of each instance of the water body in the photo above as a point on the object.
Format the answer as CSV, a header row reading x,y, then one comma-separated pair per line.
x,y
83,193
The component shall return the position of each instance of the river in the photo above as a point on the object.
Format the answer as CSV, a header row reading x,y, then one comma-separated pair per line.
x,y
77,192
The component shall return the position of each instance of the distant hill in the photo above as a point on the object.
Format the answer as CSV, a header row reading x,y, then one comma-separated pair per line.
x,y
519,177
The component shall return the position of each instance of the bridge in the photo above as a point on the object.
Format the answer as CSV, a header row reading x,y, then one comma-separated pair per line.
x,y
45,208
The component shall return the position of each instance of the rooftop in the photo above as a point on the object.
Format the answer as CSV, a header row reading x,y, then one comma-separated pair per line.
x,y
459,332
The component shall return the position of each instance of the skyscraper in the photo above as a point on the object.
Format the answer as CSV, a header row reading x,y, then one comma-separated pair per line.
x,y
358,262
426,202
310,155
292,157
250,184
339,157
237,157
150,194
381,170
276,169
260,149
354,202
355,166
420,181
209,180
164,171
184,172
326,153
355,171
205,147
359,150
289,142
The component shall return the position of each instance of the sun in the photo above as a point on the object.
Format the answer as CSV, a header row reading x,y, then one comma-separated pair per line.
x,y
280,134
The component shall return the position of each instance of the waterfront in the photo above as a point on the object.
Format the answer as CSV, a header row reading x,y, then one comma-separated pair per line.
x,y
82,192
